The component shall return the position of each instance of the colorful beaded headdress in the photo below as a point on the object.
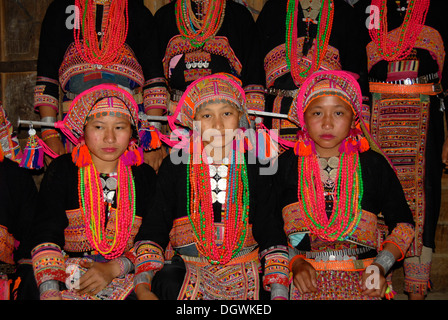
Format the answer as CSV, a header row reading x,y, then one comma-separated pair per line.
x,y
321,83
213,88
105,98
101,100
326,88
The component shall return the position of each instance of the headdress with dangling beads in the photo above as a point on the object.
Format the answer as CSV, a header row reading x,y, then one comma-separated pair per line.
x,y
104,99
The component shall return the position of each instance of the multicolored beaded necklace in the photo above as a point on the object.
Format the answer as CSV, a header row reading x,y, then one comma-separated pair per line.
x,y
93,206
101,48
298,71
346,211
200,208
199,31
410,29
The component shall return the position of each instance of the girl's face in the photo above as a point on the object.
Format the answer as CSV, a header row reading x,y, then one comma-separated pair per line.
x,y
218,124
107,139
328,121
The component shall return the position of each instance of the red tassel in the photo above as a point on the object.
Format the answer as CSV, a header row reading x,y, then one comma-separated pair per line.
x,y
155,140
302,148
390,293
364,145
81,155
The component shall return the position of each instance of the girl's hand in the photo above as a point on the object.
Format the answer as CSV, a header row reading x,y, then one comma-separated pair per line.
x,y
304,276
98,276
373,282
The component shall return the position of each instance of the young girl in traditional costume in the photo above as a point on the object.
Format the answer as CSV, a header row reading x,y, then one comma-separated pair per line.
x,y
91,202
334,192
208,209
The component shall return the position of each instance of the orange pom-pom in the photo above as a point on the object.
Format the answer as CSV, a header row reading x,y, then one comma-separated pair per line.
x,y
81,155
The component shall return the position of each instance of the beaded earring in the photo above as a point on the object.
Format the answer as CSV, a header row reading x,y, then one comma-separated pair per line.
x,y
304,145
355,142
81,154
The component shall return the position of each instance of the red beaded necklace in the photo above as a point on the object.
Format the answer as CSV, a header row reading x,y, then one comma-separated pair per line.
x,y
101,48
200,208
199,31
409,30
298,71
91,199
346,211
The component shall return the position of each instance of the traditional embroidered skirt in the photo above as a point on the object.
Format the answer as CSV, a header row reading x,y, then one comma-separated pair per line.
x,y
235,281
334,285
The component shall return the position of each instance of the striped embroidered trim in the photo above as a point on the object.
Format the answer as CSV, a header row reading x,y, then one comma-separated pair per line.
x,y
149,257
48,263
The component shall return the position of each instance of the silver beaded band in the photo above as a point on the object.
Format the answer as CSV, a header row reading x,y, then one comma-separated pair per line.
x,y
143,277
50,121
279,291
49,285
385,259
156,125
126,266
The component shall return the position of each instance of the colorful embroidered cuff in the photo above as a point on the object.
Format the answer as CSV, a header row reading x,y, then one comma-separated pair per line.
x,y
155,98
50,133
276,269
255,97
401,236
42,99
48,263
149,257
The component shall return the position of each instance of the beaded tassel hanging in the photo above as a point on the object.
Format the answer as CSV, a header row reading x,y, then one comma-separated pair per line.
x,y
93,206
199,31
298,71
408,31
104,49
346,212
200,208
